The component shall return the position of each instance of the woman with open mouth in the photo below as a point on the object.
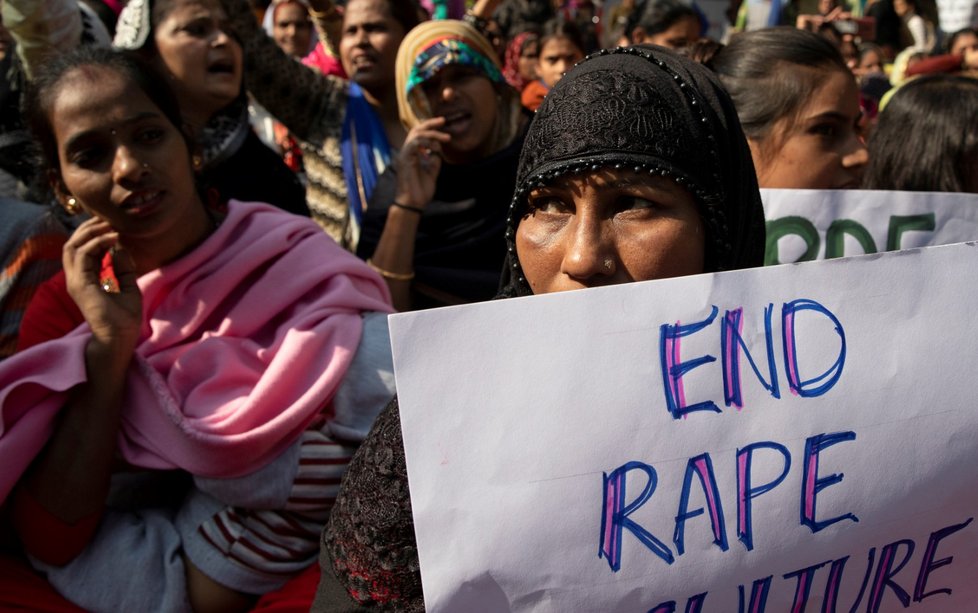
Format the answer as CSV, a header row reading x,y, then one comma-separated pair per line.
x,y
435,227
189,41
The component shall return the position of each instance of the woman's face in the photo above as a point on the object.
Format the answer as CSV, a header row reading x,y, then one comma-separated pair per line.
x,y
120,157
821,148
368,47
964,42
681,34
608,227
194,47
557,56
465,97
528,59
292,28
870,63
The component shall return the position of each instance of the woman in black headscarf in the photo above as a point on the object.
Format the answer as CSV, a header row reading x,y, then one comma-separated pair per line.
x,y
634,168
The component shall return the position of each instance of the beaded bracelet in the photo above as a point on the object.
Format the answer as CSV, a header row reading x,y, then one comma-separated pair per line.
x,y
387,274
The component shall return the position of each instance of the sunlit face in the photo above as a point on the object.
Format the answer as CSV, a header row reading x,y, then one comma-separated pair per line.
x,y
608,227
291,28
557,56
964,42
821,148
368,47
681,34
465,97
121,158
194,47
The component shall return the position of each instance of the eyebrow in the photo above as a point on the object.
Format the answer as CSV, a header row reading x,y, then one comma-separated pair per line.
x,y
82,136
834,115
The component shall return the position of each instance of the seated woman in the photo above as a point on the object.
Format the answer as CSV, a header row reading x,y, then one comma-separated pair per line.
x,y
435,225
799,105
634,168
181,444
922,143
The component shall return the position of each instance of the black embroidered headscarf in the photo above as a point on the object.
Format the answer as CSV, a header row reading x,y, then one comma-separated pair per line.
x,y
647,110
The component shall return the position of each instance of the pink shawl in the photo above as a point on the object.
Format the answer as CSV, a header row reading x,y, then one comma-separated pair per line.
x,y
244,342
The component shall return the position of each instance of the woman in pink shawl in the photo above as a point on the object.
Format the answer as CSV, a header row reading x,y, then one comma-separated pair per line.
x,y
182,445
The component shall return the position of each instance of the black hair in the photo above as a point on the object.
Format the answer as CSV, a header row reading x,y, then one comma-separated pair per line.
x,y
404,12
771,73
558,27
867,48
42,91
953,38
660,15
922,143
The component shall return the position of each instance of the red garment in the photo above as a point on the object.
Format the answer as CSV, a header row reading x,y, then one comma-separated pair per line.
x,y
51,314
533,95
21,589
937,64
295,596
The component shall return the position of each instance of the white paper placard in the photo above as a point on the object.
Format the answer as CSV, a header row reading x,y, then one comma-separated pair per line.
x,y
531,425
805,224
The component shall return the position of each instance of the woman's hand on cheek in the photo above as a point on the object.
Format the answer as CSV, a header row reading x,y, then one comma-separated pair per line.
x,y
419,162
115,317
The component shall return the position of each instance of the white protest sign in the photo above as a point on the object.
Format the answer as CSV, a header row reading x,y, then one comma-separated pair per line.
x,y
783,436
806,224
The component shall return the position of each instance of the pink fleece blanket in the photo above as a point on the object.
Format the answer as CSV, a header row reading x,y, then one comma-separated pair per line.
x,y
244,342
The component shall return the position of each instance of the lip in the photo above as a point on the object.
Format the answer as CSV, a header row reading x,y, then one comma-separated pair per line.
x,y
457,121
142,203
223,66
362,61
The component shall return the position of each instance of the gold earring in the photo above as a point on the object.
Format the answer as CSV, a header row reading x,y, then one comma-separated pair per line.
x,y
198,162
71,206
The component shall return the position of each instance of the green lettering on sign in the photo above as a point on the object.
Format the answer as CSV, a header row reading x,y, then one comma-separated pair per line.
x,y
835,238
907,223
783,226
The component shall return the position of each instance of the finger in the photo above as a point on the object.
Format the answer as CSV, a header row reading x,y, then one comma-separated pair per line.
x,y
86,260
432,135
125,269
428,124
86,231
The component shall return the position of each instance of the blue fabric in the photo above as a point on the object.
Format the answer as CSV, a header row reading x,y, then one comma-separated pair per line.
x,y
373,151
774,17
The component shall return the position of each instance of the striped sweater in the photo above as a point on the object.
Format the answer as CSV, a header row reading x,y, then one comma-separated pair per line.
x,y
31,239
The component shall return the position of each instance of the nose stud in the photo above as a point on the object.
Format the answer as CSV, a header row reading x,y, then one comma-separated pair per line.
x,y
609,264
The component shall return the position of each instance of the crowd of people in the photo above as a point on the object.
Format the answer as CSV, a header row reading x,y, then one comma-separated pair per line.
x,y
210,206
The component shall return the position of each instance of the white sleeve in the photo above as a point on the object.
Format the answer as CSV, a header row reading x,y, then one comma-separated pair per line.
x,y
42,27
368,385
